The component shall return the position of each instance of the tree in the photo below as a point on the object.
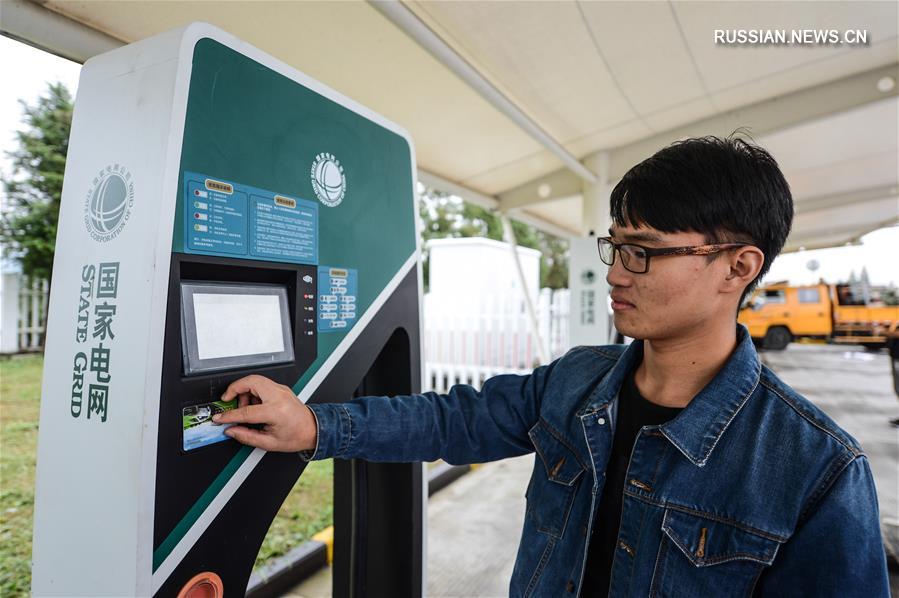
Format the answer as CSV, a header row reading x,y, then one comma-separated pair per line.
x,y
446,216
438,222
28,224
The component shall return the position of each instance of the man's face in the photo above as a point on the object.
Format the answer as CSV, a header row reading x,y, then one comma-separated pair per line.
x,y
677,294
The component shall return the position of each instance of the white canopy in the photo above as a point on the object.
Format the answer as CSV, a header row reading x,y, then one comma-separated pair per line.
x,y
528,107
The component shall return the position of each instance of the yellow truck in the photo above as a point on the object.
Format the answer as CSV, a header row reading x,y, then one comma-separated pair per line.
x,y
778,314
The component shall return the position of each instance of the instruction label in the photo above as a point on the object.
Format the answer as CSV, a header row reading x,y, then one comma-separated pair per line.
x,y
283,228
229,219
338,288
216,218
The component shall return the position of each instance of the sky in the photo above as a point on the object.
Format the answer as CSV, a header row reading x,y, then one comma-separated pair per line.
x,y
25,73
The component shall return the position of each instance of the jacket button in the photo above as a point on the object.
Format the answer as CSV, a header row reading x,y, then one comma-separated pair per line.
x,y
601,421
570,587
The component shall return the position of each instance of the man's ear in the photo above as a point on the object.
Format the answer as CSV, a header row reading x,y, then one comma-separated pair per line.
x,y
744,264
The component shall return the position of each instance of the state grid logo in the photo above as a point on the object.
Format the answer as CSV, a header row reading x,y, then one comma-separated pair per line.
x,y
328,179
107,205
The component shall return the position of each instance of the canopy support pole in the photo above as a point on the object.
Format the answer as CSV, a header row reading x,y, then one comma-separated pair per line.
x,y
509,235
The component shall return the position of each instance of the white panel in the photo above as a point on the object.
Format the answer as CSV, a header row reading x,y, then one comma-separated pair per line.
x,y
859,218
855,149
589,319
92,536
680,114
564,212
540,54
863,131
807,75
727,66
465,271
612,136
637,35
506,176
846,176
352,48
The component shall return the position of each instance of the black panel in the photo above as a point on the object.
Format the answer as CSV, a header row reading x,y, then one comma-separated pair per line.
x,y
374,546
181,478
230,545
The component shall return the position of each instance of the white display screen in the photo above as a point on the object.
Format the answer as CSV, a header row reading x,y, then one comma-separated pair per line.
x,y
235,325
226,326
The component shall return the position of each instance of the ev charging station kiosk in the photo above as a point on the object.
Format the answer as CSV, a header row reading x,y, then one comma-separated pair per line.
x,y
222,214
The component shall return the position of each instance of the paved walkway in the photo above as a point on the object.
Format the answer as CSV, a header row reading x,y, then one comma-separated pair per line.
x,y
475,523
473,529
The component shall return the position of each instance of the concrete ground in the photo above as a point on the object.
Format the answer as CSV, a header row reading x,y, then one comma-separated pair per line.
x,y
475,523
473,529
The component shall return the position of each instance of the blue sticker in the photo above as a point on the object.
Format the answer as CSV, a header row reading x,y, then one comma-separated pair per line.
x,y
283,228
337,290
229,219
216,219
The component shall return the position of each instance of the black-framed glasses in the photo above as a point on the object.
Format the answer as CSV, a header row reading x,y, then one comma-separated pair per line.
x,y
635,258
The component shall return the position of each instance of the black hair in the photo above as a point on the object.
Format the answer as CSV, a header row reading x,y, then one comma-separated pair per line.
x,y
729,190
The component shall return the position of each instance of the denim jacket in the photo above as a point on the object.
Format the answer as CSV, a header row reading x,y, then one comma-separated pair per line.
x,y
750,490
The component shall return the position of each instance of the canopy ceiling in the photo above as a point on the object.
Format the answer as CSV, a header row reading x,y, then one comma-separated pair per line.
x,y
511,103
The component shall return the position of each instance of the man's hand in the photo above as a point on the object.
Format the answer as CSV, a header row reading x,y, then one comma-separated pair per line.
x,y
287,424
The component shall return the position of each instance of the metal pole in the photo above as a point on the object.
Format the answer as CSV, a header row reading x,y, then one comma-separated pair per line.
x,y
33,24
509,235
408,22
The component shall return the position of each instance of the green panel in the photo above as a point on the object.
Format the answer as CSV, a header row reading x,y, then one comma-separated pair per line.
x,y
248,124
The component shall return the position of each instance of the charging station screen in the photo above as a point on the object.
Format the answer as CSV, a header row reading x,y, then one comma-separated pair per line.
x,y
228,326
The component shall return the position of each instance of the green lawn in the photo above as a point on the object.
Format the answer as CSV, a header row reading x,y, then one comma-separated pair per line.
x,y
307,510
20,389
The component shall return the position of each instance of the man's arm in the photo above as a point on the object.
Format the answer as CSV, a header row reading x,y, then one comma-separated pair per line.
x,y
838,550
462,426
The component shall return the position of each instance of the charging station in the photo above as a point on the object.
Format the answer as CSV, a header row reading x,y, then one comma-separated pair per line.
x,y
222,215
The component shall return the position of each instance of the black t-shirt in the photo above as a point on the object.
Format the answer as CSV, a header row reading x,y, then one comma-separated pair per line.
x,y
634,412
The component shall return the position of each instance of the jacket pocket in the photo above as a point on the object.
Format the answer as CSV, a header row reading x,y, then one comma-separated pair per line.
x,y
551,490
700,556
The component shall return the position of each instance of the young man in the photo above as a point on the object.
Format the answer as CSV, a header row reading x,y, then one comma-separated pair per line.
x,y
676,466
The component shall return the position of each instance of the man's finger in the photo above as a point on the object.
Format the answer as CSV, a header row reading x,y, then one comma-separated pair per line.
x,y
249,414
251,437
254,384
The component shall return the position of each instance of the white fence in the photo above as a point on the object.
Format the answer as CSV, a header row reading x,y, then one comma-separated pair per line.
x,y
33,296
24,307
493,337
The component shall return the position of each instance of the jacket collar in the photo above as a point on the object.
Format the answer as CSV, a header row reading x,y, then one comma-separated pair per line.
x,y
698,428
